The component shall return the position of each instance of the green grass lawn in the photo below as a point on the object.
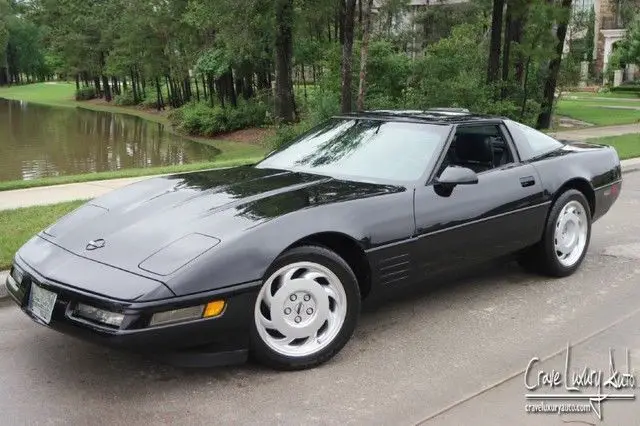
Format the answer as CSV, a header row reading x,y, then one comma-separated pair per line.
x,y
589,111
57,94
591,102
17,226
62,94
625,95
628,146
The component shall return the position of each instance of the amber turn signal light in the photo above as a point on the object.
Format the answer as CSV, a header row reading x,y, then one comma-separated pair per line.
x,y
213,309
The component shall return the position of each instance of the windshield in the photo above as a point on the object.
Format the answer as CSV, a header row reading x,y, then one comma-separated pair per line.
x,y
362,148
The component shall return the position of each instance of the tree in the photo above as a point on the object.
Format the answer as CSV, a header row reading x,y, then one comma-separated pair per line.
x,y
629,48
493,66
347,54
544,118
514,26
4,40
284,102
364,50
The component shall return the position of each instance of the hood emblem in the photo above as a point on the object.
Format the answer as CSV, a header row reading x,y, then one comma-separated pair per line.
x,y
95,244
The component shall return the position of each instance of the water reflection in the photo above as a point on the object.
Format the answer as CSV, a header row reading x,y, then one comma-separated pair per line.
x,y
38,141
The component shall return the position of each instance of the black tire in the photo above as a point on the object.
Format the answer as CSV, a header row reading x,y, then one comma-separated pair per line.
x,y
542,257
329,259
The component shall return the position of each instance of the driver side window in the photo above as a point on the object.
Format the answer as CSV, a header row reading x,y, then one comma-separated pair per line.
x,y
479,148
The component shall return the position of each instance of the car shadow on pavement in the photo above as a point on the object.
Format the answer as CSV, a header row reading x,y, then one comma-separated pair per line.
x,y
65,361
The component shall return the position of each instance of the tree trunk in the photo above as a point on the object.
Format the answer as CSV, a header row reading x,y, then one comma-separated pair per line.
x,y
493,67
247,87
230,88
304,80
284,100
220,91
133,86
347,56
169,91
210,84
115,85
143,85
239,85
525,95
107,88
159,104
544,119
96,83
77,81
506,46
517,32
364,52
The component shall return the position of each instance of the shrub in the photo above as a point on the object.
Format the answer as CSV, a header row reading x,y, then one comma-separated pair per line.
x,y
288,132
125,99
388,71
322,104
151,100
627,88
200,119
85,93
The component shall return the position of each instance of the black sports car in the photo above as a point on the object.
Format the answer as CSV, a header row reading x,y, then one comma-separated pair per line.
x,y
275,258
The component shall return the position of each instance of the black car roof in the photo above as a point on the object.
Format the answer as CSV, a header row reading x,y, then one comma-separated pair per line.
x,y
444,116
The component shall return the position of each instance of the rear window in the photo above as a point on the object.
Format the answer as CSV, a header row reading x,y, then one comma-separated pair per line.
x,y
537,143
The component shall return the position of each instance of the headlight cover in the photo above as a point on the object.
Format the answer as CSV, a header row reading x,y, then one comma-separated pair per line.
x,y
209,310
177,315
98,315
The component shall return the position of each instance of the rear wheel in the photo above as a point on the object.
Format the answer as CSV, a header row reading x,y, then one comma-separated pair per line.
x,y
566,237
306,310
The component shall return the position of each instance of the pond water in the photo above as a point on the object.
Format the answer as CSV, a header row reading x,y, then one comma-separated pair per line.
x,y
39,141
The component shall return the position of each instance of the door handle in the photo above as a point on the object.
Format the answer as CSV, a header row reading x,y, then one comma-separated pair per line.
x,y
527,181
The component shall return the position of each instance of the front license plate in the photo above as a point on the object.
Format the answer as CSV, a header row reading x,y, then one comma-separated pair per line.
x,y
41,303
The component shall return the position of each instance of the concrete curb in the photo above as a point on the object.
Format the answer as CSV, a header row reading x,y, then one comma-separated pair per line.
x,y
628,166
3,287
631,165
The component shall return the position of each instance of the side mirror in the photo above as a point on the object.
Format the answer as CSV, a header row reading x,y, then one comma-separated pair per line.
x,y
453,176
456,175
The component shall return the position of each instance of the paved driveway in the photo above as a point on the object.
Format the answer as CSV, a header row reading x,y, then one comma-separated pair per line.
x,y
451,344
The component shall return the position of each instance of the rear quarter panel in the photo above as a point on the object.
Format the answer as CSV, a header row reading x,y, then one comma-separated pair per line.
x,y
597,165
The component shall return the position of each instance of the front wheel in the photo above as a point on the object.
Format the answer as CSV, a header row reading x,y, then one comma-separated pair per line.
x,y
566,237
306,310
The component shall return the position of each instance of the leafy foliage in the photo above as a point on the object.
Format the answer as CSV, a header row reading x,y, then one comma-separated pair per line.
x,y
85,93
126,98
214,62
200,119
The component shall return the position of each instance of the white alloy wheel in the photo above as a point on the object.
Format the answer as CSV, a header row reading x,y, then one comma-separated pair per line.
x,y
570,234
300,309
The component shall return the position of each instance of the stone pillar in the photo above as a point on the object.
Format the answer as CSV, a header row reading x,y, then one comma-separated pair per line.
x,y
617,78
632,70
584,73
605,20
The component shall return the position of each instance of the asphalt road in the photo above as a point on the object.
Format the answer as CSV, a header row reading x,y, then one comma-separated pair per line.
x,y
451,352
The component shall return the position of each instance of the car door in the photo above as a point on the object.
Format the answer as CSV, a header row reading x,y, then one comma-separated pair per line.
x,y
501,213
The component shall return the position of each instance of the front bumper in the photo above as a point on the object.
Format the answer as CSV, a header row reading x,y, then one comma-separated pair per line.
x,y
220,340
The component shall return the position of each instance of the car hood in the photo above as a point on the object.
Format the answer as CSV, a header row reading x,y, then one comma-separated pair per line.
x,y
133,228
